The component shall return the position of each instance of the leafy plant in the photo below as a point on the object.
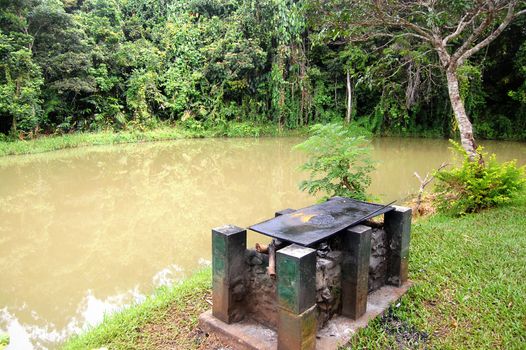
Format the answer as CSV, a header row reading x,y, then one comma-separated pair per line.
x,y
4,340
339,161
475,185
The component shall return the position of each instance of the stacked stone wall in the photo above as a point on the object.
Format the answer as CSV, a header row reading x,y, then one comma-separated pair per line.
x,y
328,285
261,302
260,296
379,259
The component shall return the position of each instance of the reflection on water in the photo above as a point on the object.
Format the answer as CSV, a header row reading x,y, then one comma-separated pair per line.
x,y
88,231
40,333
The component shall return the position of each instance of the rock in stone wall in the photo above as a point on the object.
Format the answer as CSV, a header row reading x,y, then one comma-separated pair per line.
x,y
328,285
378,260
260,300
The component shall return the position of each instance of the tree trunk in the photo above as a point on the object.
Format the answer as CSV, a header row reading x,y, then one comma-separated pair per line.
x,y
335,93
464,125
17,95
13,125
349,98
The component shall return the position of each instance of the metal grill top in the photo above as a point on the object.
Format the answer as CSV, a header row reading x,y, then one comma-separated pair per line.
x,y
318,222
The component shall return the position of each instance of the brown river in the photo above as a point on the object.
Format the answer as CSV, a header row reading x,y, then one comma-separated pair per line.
x,y
88,231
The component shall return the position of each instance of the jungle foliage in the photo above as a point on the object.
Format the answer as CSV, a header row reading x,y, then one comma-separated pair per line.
x,y
90,65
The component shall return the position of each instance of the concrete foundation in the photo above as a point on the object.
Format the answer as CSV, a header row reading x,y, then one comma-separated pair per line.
x,y
251,335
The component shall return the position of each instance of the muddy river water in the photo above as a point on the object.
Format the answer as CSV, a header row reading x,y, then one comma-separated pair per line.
x,y
87,231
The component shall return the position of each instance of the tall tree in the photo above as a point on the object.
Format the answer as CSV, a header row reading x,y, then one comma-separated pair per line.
x,y
454,30
20,76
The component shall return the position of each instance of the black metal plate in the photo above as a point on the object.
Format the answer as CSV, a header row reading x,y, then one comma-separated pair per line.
x,y
318,222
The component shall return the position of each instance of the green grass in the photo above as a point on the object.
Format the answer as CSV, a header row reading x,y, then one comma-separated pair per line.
x,y
166,132
174,310
468,293
469,290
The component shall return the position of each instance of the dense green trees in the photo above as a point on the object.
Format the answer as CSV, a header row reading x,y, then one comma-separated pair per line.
x,y
20,76
451,31
95,64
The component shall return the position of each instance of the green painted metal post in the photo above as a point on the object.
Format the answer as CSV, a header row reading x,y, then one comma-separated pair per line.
x,y
397,225
296,293
229,243
355,270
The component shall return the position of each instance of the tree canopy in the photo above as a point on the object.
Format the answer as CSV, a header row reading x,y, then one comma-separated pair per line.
x,y
96,64
453,30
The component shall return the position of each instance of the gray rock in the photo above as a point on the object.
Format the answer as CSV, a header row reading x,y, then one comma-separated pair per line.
x,y
335,255
239,291
256,260
324,264
326,294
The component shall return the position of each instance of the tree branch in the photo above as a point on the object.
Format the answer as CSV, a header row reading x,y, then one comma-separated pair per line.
x,y
383,15
475,34
507,20
461,26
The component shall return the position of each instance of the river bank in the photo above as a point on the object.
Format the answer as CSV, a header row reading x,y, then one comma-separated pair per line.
x,y
166,132
468,292
163,133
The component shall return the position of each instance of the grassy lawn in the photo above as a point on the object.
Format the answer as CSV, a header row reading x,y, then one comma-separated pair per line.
x,y
166,320
166,132
469,293
470,290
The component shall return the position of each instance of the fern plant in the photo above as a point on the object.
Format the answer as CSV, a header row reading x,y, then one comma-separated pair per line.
x,y
474,186
339,161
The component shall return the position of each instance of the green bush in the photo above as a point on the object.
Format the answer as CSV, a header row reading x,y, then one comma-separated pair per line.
x,y
4,340
339,161
241,129
477,185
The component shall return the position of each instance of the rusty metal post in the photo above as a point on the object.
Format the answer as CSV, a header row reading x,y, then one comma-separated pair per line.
x,y
229,243
355,270
397,225
296,293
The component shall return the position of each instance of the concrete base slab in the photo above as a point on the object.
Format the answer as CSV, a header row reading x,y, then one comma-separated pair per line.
x,y
250,335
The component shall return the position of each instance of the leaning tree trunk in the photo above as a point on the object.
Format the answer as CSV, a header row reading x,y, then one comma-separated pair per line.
x,y
464,125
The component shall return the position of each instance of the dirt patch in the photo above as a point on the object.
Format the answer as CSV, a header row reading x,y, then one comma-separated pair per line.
x,y
178,328
406,335
208,341
426,208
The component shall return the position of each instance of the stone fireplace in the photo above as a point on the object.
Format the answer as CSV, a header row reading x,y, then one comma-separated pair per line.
x,y
316,288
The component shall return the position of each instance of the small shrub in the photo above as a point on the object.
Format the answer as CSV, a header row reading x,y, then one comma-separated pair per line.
x,y
474,186
4,340
195,127
237,129
5,138
339,161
